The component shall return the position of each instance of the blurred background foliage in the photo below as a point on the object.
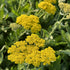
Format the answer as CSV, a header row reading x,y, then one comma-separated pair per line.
x,y
59,40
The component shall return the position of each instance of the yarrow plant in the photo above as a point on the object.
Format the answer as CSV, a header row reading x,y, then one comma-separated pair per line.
x,y
35,35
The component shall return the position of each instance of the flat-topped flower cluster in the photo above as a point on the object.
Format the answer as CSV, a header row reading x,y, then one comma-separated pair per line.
x,y
28,51
29,22
48,6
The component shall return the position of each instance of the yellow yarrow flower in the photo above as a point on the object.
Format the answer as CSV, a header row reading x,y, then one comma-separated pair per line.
x,y
20,43
65,7
48,55
36,40
21,18
36,28
18,58
51,1
34,19
29,22
28,51
30,54
19,51
48,7
31,48
34,58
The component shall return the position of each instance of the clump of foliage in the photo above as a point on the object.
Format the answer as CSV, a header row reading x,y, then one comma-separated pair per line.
x,y
34,35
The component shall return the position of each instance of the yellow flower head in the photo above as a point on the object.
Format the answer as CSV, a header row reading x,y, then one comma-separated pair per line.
x,y
21,18
34,58
18,58
28,51
29,22
19,51
36,28
34,19
31,48
36,40
48,7
48,55
51,1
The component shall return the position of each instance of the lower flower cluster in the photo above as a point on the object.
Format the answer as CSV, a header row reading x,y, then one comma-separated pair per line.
x,y
29,52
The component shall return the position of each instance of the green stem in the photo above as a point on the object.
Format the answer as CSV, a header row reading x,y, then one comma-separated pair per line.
x,y
61,43
2,48
42,15
55,26
22,33
28,67
16,36
19,5
37,13
40,0
30,4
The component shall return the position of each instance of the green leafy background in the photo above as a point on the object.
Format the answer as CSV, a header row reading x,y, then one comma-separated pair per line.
x,y
59,40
